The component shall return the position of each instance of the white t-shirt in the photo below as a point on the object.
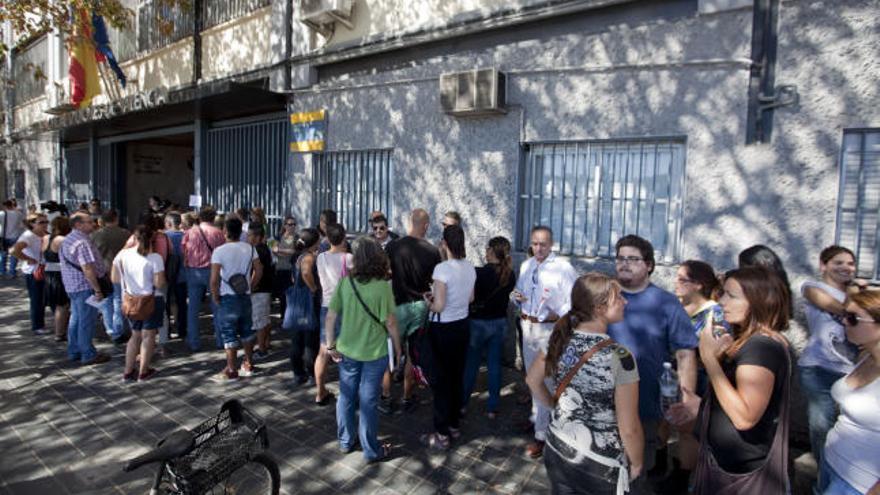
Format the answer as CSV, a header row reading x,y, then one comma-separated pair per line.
x,y
330,273
137,271
11,219
33,249
853,444
233,258
459,277
827,347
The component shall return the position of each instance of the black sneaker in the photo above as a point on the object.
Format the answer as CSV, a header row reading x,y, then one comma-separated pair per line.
x,y
386,405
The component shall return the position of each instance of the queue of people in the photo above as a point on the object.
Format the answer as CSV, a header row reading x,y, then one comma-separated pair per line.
x,y
386,307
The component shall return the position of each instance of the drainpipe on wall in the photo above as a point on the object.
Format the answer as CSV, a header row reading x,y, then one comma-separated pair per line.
x,y
198,6
288,42
7,88
759,123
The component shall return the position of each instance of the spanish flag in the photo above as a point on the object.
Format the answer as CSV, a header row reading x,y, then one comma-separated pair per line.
x,y
85,83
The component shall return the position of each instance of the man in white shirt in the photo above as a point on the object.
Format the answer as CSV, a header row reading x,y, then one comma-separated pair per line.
x,y
11,221
543,291
230,263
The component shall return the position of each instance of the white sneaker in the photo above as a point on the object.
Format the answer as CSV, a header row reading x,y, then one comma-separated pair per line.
x,y
40,331
247,372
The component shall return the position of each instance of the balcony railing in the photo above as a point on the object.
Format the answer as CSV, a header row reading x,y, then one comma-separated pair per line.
x,y
219,11
30,69
160,25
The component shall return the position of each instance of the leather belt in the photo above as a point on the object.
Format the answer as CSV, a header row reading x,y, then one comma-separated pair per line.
x,y
533,319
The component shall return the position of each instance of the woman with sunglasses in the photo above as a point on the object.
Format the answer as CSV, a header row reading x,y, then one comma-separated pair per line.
x,y
283,247
851,464
827,357
29,250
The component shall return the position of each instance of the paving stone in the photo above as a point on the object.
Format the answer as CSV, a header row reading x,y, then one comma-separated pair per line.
x,y
74,426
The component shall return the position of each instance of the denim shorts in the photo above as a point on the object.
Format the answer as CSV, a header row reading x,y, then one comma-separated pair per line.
x,y
155,321
336,328
234,320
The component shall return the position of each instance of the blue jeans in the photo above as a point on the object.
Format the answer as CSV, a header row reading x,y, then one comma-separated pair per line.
x,y
81,327
36,289
234,319
816,383
832,484
178,295
4,255
486,336
111,312
360,384
197,280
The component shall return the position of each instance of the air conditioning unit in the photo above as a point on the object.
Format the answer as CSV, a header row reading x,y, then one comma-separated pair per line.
x,y
58,98
321,15
474,92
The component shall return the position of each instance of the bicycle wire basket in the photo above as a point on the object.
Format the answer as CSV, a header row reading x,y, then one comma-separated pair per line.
x,y
222,444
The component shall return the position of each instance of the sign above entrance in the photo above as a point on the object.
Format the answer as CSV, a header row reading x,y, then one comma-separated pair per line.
x,y
195,201
307,131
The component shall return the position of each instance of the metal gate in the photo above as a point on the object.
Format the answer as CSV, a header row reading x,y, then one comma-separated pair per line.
x,y
245,166
81,183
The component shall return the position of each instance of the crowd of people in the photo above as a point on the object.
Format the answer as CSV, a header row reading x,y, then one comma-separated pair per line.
x,y
384,307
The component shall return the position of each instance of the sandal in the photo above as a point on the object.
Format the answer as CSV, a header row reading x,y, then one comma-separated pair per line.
x,y
435,441
386,453
326,399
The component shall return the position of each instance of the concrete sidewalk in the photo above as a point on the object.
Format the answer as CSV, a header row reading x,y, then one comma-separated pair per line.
x,y
69,429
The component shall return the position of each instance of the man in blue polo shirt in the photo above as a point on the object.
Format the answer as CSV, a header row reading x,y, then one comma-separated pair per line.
x,y
654,328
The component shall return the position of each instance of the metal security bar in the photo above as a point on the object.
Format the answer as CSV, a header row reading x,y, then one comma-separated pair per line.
x,y
858,203
77,177
30,67
591,193
163,23
245,167
219,11
353,183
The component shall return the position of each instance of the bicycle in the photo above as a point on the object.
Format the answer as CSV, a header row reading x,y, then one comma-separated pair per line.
x,y
225,454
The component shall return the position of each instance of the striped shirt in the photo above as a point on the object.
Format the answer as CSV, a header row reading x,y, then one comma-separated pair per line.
x,y
78,248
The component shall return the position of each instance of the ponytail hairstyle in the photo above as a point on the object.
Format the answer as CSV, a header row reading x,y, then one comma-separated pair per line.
x,y
591,294
703,274
500,248
143,234
306,240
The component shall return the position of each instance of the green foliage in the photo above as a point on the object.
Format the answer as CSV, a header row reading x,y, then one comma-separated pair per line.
x,y
31,18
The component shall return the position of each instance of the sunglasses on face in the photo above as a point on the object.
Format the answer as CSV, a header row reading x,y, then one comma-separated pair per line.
x,y
290,225
380,228
853,319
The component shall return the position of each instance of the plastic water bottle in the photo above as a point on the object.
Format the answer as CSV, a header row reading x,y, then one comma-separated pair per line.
x,y
670,393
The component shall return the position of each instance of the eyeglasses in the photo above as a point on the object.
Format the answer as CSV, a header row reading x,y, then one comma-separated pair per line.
x,y
380,228
683,280
42,222
853,319
627,260
290,224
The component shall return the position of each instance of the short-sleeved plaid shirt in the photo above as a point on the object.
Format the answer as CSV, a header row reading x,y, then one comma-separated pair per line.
x,y
78,248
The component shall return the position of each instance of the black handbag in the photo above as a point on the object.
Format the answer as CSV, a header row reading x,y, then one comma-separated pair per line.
x,y
104,282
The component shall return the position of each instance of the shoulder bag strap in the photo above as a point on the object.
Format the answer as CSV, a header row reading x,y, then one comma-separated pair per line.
x,y
364,305
573,371
210,248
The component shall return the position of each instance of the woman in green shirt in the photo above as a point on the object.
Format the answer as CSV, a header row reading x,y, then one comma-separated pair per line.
x,y
367,305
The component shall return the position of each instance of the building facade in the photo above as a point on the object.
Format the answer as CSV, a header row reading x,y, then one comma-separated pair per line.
x,y
705,126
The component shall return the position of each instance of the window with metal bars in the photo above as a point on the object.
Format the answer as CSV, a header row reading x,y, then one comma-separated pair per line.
x,y
353,183
591,193
858,201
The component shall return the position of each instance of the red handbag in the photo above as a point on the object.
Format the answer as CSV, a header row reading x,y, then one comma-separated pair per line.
x,y
40,273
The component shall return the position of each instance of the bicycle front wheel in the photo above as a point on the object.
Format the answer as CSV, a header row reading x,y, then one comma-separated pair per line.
x,y
260,476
